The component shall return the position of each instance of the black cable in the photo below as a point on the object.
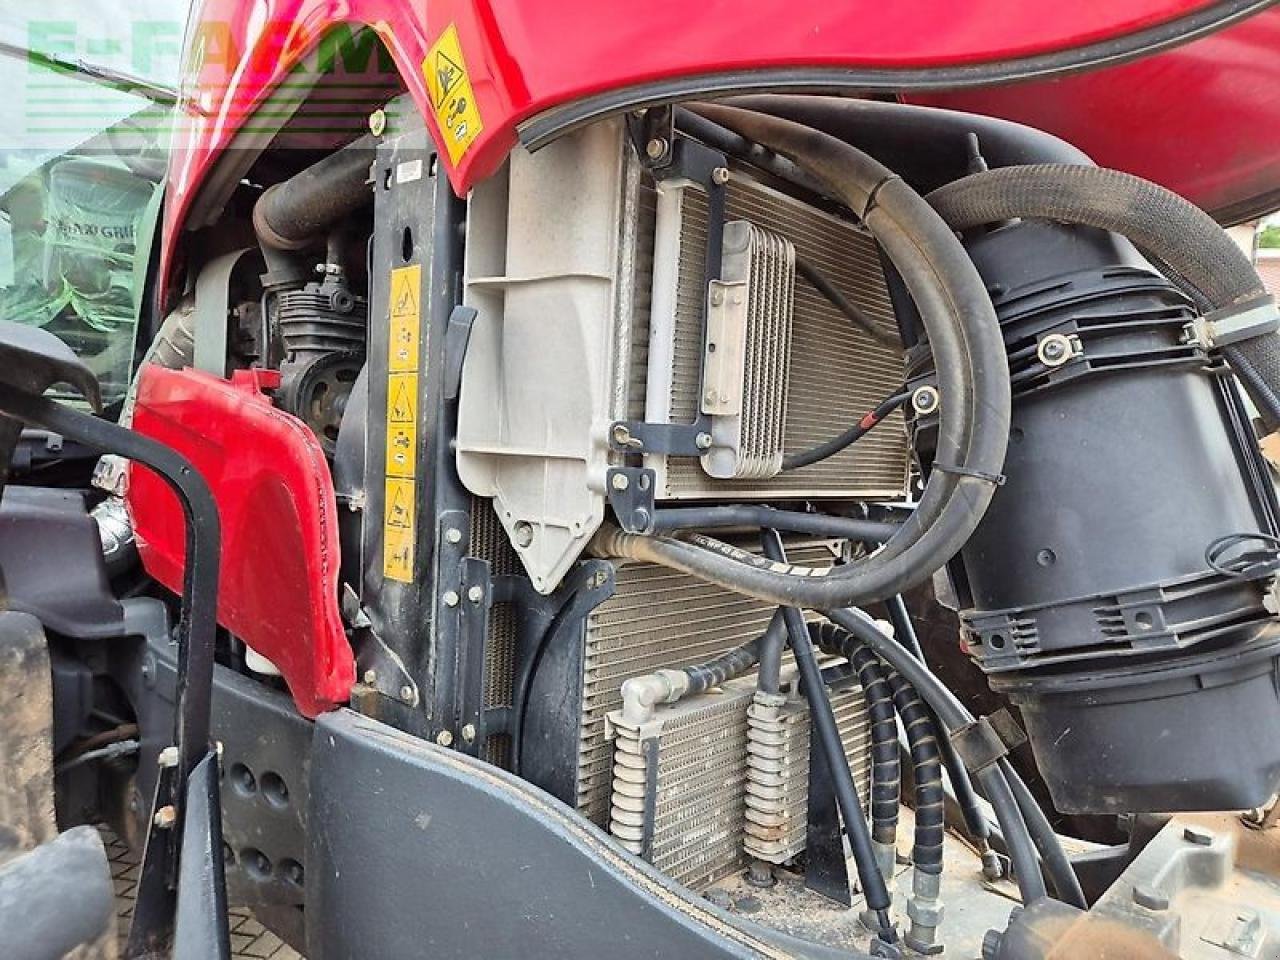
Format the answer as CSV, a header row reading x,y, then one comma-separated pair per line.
x,y
829,448
667,519
823,721
852,312
953,716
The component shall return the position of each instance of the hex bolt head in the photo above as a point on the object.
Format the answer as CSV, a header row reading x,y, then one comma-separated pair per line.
x,y
168,757
720,176
656,148
453,535
444,738
523,533
475,594
378,122
370,677
620,481
702,441
165,817
451,598
1199,836
469,732
925,400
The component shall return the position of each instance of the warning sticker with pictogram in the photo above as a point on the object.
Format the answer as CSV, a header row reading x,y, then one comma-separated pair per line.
x,y
397,557
406,319
399,505
449,86
402,438
402,398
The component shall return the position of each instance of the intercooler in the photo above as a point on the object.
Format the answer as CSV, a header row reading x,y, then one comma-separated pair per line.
x,y
588,274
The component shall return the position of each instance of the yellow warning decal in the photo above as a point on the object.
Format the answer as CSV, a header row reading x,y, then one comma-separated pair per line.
x,y
451,95
399,507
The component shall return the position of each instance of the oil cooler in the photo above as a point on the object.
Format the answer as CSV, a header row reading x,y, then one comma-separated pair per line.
x,y
602,339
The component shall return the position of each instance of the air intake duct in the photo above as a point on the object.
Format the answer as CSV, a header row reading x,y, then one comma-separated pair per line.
x,y
1118,589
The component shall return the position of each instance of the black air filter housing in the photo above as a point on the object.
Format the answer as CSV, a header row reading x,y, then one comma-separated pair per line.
x,y
1085,592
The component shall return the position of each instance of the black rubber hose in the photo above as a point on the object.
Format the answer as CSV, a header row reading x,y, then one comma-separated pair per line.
x,y
926,761
852,312
666,519
886,775
295,214
953,716
973,378
823,722
1171,230
893,134
975,820
772,644
830,448
1057,864
730,664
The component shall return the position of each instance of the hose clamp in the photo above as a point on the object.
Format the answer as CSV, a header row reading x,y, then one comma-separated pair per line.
x,y
1242,321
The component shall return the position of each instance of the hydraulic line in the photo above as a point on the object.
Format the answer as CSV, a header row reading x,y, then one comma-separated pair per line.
x,y
855,433
953,716
973,380
874,889
1177,235
886,776
974,818
852,312
667,519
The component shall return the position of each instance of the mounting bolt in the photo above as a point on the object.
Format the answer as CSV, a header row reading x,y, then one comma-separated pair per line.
x,y
720,176
469,732
444,738
378,122
717,297
451,598
702,441
168,758
712,396
406,693
620,481
925,400
1054,350
165,817
475,594
453,535
656,148
370,677
523,533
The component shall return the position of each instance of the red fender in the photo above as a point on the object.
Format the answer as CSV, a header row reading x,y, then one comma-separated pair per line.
x,y
279,582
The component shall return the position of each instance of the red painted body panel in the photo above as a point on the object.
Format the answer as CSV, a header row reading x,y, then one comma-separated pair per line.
x,y
528,57
279,582
1203,120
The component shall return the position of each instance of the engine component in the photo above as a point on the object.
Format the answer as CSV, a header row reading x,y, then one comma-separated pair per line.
x,y
322,326
590,277
1090,591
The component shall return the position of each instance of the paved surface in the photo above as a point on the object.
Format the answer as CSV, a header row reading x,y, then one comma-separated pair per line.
x,y
249,939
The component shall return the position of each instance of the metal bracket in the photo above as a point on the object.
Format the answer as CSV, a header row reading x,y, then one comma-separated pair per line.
x,y
473,634
987,740
693,161
631,497
652,132
1230,325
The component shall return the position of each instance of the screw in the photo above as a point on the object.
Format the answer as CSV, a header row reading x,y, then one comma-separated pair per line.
x,y
1054,350
165,817
370,677
453,535
656,148
620,481
925,400
406,693
702,441
475,594
717,297
451,598
523,533
168,757
720,176
444,738
712,396
469,732
378,122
